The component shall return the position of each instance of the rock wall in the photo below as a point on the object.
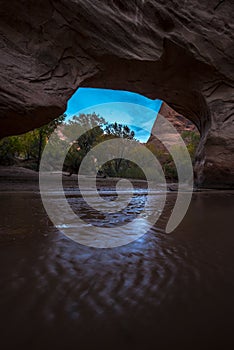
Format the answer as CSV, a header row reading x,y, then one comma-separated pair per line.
x,y
179,122
178,51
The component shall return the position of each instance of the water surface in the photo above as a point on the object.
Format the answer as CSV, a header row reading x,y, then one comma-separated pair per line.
x,y
167,290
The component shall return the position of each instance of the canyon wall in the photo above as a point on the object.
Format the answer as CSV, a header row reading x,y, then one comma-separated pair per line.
x,y
178,51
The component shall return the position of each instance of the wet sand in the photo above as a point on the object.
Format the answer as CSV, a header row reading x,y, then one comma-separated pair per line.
x,y
21,179
161,291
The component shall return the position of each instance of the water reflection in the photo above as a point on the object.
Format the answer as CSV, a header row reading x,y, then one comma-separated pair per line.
x,y
166,289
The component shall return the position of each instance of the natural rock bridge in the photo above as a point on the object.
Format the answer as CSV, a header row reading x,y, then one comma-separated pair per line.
x,y
178,51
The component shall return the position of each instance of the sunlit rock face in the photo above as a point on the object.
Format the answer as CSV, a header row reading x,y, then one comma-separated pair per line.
x,y
180,125
178,51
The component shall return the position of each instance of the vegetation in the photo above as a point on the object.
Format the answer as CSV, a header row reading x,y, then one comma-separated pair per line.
x,y
85,132
191,139
94,130
26,149
90,127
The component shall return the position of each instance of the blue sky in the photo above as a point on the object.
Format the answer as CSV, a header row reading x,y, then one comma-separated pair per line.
x,y
117,106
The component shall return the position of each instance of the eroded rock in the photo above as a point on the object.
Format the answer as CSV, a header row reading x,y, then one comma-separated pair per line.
x,y
178,51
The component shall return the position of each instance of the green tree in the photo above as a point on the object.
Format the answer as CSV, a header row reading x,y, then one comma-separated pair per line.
x,y
115,130
43,133
191,139
93,129
28,146
84,132
9,147
119,130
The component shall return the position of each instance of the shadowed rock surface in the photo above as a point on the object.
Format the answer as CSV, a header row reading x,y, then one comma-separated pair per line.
x,y
180,52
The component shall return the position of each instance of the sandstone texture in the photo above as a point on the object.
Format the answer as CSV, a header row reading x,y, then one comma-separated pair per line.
x,y
179,122
178,51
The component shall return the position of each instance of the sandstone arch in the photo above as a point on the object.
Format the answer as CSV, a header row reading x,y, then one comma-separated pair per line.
x,y
181,52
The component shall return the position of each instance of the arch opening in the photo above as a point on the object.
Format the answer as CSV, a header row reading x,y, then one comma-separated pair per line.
x,y
91,98
86,97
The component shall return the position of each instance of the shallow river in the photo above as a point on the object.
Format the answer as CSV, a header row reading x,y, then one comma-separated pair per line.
x,y
157,292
